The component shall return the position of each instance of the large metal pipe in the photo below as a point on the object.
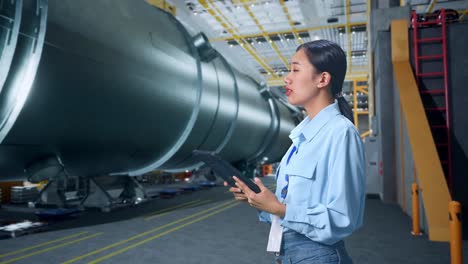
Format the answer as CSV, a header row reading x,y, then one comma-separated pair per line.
x,y
122,88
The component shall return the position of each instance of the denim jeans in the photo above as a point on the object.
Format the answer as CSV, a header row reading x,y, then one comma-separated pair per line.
x,y
298,249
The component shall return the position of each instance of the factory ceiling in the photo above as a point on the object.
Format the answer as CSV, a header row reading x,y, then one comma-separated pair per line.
x,y
263,34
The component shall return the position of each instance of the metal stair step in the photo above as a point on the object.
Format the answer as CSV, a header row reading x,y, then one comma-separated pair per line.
x,y
428,40
435,109
430,74
438,91
431,57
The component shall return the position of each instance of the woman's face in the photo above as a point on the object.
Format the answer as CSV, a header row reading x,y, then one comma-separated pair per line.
x,y
301,81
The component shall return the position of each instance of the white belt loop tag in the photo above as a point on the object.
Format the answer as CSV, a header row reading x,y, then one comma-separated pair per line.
x,y
276,235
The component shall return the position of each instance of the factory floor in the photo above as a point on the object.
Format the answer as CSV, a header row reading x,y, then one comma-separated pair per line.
x,y
205,226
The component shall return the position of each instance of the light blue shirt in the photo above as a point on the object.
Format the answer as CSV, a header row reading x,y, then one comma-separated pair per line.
x,y
327,178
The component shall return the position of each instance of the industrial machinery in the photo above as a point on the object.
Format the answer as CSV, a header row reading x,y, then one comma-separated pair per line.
x,y
120,88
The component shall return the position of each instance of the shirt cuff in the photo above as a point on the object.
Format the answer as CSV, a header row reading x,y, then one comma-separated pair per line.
x,y
264,216
311,216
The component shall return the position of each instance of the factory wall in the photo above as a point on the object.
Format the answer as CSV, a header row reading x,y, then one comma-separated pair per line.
x,y
458,73
383,83
394,149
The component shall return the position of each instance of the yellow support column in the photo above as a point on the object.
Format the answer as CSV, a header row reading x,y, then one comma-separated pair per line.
x,y
456,252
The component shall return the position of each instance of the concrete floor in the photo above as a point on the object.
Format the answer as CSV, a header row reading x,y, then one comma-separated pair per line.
x,y
211,228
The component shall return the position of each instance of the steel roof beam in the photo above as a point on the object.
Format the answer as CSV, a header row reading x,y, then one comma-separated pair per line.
x,y
265,35
291,23
224,21
299,31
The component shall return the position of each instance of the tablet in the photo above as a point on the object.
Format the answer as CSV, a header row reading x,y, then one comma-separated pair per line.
x,y
224,169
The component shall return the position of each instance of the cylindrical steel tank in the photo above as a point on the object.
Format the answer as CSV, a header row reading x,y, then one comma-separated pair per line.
x,y
122,88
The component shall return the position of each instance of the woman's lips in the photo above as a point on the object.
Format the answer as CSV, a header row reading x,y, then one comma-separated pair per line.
x,y
288,91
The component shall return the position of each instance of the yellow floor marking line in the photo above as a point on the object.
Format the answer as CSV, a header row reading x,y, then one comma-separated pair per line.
x,y
142,234
181,207
40,245
184,207
170,209
160,235
49,249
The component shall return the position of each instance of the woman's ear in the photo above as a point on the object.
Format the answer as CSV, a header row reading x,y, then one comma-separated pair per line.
x,y
325,79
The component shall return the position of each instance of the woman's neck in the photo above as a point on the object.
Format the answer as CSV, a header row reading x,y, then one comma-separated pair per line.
x,y
314,107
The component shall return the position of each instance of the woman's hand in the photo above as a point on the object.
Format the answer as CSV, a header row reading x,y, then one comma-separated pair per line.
x,y
265,200
238,194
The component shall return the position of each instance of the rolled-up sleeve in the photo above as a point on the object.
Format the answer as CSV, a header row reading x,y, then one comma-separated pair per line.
x,y
341,210
264,216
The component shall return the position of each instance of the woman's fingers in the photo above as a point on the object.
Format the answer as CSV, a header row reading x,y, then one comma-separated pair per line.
x,y
242,186
240,197
235,190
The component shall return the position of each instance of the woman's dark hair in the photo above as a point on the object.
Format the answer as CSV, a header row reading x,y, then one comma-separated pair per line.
x,y
327,56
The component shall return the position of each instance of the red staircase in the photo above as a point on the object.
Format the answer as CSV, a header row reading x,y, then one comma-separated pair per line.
x,y
431,71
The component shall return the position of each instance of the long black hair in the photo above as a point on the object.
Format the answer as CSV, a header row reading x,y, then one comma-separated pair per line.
x,y
327,56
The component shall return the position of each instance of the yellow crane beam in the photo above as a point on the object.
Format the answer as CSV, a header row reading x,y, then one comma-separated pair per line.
x,y
302,30
291,23
265,35
218,15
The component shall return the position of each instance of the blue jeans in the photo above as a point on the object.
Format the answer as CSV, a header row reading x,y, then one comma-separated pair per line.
x,y
298,249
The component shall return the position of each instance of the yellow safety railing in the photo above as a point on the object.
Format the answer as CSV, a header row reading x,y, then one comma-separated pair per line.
x,y
431,6
462,14
365,134
358,88
431,177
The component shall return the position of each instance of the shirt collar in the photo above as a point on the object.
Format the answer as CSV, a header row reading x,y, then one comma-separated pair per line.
x,y
308,128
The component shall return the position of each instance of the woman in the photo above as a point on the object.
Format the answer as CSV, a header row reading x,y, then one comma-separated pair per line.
x,y
320,191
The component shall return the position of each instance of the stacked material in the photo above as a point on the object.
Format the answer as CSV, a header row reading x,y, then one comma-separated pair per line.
x,y
20,228
23,194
